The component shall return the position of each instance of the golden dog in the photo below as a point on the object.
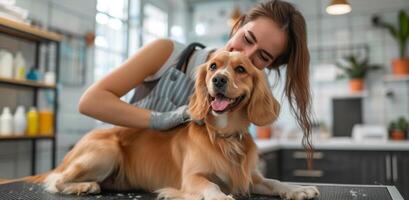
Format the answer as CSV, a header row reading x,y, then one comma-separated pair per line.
x,y
190,161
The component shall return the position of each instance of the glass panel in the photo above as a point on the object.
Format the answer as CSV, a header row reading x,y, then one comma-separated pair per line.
x,y
112,34
155,24
105,62
147,38
117,8
134,9
134,42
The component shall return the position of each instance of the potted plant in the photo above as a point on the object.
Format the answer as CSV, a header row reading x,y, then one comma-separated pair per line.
x,y
356,70
398,129
400,33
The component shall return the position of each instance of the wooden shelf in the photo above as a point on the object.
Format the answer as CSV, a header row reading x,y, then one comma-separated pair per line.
x,y
25,137
395,78
22,30
351,95
25,32
26,83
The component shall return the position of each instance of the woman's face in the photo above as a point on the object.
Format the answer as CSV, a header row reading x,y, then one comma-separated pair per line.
x,y
262,40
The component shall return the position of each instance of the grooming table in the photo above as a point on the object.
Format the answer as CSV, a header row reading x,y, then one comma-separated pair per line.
x,y
20,190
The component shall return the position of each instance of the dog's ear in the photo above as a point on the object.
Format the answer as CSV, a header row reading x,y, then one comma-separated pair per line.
x,y
199,102
263,108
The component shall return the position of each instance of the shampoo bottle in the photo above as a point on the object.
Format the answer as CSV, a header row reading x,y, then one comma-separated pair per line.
x,y
19,121
6,121
19,66
6,64
32,122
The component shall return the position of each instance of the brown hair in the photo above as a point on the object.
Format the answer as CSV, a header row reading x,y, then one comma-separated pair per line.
x,y
296,57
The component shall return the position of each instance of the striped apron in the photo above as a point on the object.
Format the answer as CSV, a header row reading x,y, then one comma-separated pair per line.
x,y
172,90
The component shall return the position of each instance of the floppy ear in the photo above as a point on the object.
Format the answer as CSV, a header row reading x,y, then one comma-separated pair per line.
x,y
199,102
263,108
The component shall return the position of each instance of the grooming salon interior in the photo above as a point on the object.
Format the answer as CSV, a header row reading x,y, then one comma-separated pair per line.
x,y
51,51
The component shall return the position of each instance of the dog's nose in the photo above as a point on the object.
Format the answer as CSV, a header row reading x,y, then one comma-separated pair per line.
x,y
219,81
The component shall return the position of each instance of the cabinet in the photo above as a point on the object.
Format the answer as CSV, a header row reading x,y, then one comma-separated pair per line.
x,y
269,164
22,32
328,167
399,171
348,167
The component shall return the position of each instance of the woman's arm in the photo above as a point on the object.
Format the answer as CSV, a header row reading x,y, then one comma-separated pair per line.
x,y
102,100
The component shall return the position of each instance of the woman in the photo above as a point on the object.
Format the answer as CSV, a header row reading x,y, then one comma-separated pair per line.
x,y
271,34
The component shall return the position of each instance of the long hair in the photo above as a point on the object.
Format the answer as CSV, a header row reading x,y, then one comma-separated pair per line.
x,y
296,58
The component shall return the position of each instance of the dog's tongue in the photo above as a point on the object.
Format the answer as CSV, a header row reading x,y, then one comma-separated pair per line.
x,y
220,104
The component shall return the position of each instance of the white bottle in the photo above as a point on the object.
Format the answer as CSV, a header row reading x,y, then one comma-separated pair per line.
x,y
19,67
6,120
6,64
49,78
19,121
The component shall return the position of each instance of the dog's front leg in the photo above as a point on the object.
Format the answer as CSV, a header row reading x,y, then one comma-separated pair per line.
x,y
198,184
273,187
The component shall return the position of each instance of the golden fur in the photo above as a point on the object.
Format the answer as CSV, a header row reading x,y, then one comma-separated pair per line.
x,y
187,162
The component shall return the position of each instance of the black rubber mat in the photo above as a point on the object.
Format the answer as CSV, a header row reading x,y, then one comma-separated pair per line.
x,y
35,192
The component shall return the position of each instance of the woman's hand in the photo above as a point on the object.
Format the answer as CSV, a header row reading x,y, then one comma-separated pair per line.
x,y
167,120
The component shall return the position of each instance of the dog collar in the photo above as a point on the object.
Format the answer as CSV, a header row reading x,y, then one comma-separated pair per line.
x,y
238,135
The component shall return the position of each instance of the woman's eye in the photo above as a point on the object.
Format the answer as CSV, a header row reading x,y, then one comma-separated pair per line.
x,y
263,58
246,39
240,69
213,67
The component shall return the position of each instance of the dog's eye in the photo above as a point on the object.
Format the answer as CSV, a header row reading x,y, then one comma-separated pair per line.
x,y
213,67
240,69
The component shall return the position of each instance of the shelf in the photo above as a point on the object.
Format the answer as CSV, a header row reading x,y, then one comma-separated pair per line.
x,y
396,78
351,95
25,137
22,30
26,83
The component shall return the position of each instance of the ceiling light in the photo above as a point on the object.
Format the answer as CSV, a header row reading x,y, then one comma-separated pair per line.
x,y
338,7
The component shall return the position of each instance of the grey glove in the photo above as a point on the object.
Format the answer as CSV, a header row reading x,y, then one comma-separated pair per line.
x,y
167,120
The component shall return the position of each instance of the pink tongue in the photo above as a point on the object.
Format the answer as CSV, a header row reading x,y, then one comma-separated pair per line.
x,y
220,104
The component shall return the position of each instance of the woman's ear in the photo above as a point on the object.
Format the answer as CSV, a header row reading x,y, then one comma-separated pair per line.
x,y
199,102
263,108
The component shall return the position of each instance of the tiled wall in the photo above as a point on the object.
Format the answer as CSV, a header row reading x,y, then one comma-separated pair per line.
x,y
348,31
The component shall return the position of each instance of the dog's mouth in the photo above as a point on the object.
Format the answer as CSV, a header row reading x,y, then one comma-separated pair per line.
x,y
220,103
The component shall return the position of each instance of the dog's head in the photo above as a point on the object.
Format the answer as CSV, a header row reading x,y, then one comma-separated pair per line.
x,y
230,83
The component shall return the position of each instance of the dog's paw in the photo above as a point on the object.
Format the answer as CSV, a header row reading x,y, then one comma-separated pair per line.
x,y
82,188
220,196
300,193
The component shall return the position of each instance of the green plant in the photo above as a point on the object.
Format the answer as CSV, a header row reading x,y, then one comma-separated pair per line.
x,y
355,68
399,32
401,124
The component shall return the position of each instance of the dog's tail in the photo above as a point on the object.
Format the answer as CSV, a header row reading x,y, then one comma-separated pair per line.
x,y
175,194
29,179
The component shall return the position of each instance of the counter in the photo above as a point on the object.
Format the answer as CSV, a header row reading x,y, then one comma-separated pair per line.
x,y
333,144
22,190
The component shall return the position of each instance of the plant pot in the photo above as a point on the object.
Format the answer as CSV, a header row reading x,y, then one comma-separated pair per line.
x,y
397,135
263,132
356,85
400,66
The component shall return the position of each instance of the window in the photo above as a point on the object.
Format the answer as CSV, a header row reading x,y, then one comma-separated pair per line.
x,y
155,23
118,31
111,36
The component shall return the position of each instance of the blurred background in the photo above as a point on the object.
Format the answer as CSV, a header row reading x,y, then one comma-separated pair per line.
x,y
52,50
